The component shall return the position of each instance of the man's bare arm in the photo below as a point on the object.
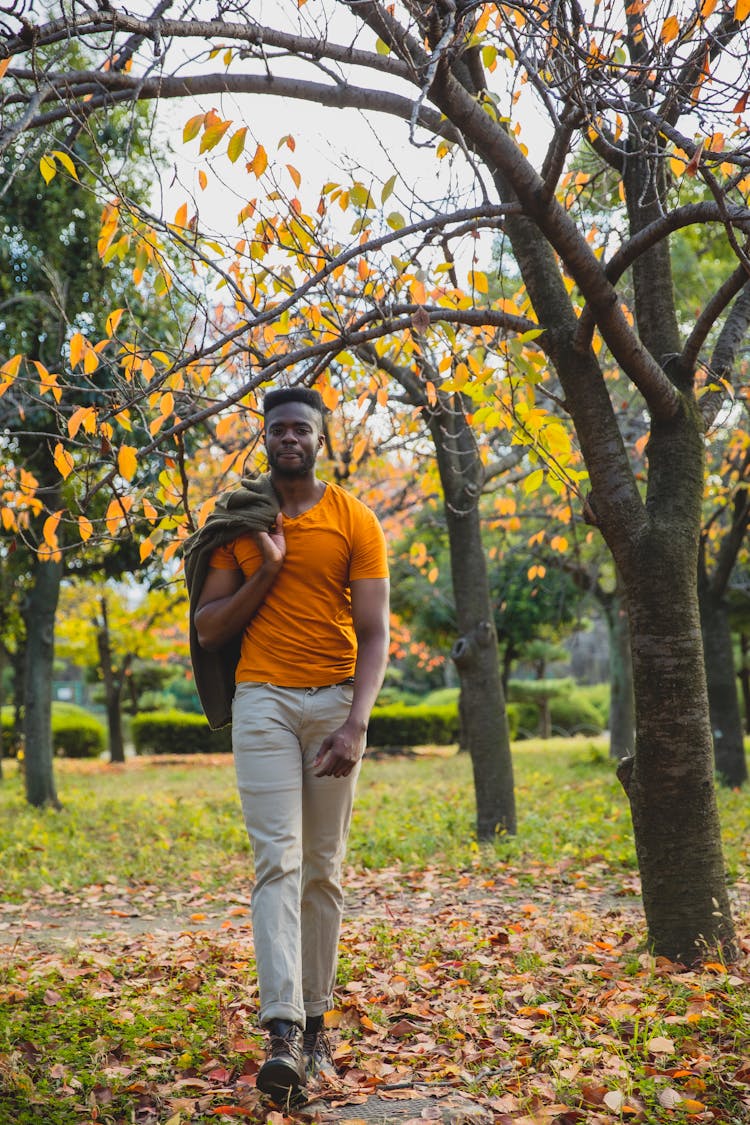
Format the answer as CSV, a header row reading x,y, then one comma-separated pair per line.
x,y
228,602
342,749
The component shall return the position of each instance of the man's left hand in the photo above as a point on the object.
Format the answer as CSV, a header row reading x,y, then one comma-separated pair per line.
x,y
340,751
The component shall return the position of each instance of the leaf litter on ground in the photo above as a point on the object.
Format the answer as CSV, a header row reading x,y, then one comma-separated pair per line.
x,y
507,989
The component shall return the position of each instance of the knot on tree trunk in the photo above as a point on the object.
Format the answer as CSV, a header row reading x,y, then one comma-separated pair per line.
x,y
465,647
624,772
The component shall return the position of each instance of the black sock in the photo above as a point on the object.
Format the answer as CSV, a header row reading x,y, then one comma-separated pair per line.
x,y
314,1024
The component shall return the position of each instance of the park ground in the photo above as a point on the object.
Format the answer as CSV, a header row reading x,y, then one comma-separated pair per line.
x,y
504,984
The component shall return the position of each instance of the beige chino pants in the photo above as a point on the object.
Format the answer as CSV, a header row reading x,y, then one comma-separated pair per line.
x,y
298,826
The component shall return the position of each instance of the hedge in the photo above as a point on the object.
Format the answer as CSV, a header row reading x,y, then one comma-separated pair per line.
x,y
178,732
400,725
75,732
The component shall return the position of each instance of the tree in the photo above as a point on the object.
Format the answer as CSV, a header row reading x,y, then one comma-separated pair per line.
x,y
106,629
633,84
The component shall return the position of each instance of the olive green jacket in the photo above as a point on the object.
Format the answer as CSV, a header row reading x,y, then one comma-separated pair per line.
x,y
252,507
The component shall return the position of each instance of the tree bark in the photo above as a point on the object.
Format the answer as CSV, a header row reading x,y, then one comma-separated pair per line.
x,y
671,785
39,617
113,685
744,678
622,701
475,653
724,707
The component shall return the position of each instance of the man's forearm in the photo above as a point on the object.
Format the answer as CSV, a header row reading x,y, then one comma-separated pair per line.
x,y
218,621
369,672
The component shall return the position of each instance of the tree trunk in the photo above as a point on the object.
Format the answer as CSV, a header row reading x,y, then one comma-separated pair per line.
x,y
744,678
724,707
39,617
622,702
671,784
113,685
475,653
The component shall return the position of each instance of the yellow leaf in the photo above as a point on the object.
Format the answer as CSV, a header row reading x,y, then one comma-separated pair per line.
x,y
127,461
85,528
533,481
479,281
192,127
113,321
212,135
166,404
63,461
66,162
236,145
294,174
48,168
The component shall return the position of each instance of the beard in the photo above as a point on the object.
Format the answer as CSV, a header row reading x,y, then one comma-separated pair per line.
x,y
292,469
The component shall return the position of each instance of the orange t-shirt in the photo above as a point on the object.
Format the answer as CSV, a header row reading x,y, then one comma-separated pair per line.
x,y
302,633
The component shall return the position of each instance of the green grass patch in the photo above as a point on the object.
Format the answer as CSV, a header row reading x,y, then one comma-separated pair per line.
x,y
167,823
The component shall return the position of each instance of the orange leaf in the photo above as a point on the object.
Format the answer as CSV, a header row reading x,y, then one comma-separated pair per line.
x,y
259,163
77,349
741,10
146,548
4,64
63,461
85,528
127,461
202,180
49,530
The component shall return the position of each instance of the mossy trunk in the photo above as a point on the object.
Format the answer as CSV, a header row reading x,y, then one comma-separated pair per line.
x,y
723,701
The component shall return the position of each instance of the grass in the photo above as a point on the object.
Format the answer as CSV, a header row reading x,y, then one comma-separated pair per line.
x,y
119,823
455,972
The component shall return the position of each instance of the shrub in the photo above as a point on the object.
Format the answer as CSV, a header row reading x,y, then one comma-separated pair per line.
x,y
76,733
400,725
572,708
178,732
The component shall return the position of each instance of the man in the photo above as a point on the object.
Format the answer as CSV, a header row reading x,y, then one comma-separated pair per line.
x,y
310,599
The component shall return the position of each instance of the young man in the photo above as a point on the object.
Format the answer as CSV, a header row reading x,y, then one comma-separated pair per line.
x,y
310,598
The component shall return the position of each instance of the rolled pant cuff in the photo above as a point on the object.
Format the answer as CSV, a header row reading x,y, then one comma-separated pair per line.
x,y
282,1012
319,1009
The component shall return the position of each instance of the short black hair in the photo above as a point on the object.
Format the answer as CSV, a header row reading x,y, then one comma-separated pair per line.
x,y
282,395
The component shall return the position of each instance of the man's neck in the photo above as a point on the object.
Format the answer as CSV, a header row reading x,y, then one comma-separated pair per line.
x,y
297,494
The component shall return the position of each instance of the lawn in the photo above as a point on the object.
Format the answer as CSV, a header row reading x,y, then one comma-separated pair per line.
x,y
511,976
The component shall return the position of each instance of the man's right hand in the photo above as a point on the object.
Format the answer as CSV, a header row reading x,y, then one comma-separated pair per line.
x,y
272,544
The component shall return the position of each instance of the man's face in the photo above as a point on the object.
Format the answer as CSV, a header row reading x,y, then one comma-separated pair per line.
x,y
293,438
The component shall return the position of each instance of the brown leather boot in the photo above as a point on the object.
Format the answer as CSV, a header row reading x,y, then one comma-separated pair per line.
x,y
282,1075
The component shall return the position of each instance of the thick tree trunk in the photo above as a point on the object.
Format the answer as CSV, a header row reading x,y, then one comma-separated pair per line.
x,y
724,707
39,616
671,784
622,701
475,653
